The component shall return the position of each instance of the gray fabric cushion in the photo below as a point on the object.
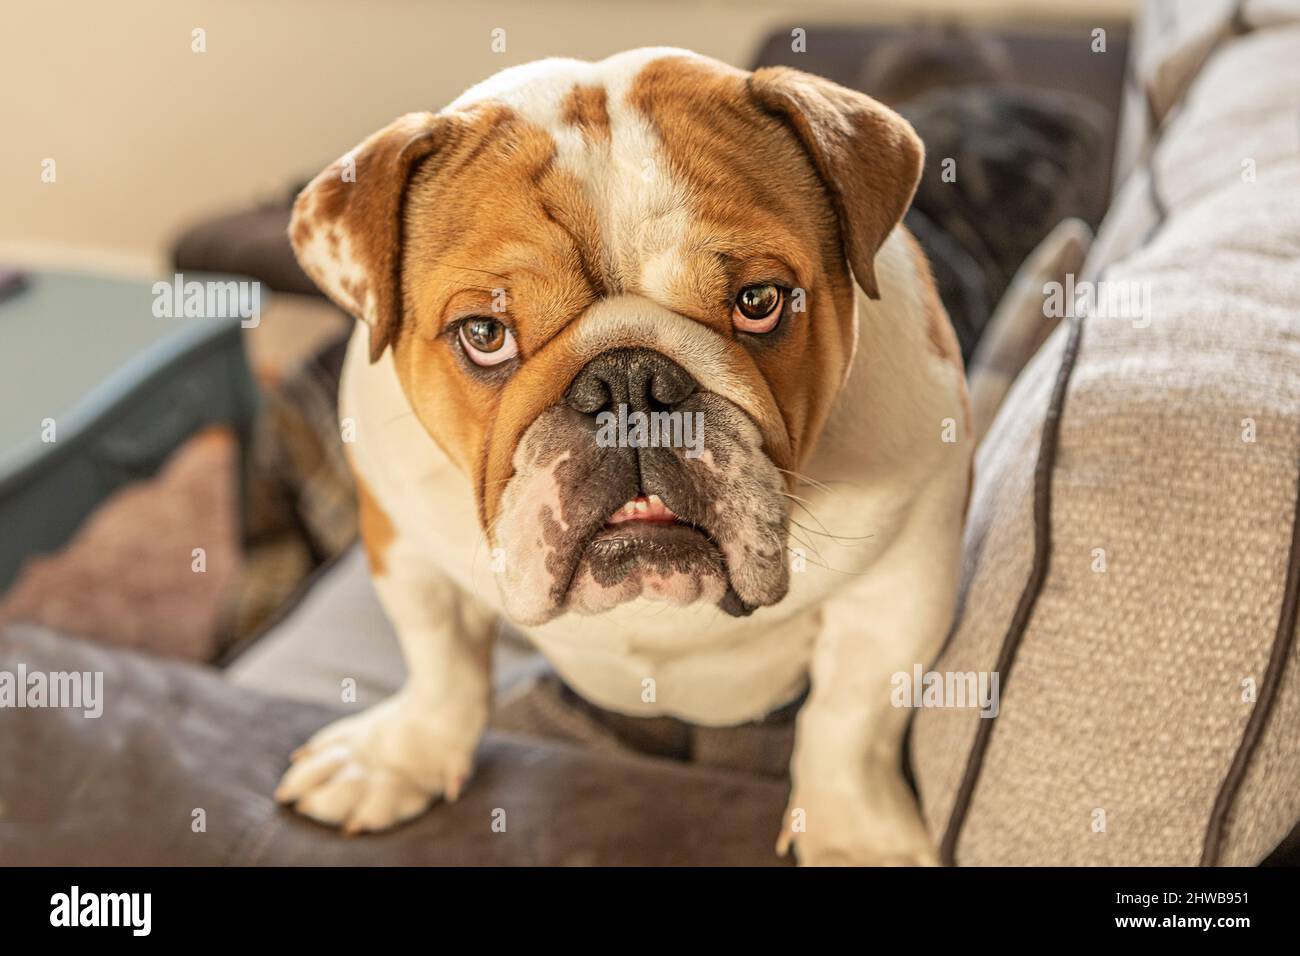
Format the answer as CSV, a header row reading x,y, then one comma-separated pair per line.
x,y
122,789
339,630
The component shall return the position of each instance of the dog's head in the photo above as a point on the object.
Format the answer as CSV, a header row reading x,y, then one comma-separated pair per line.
x,y
618,296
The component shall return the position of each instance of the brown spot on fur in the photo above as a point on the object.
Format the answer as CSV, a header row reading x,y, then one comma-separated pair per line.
x,y
377,531
301,230
586,107
357,289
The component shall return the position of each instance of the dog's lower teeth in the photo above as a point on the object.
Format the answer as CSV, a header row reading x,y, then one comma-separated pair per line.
x,y
643,508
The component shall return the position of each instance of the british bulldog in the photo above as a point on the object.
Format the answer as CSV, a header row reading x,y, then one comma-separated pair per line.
x,y
647,367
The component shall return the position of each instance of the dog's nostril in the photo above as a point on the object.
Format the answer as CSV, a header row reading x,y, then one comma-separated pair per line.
x,y
588,393
642,379
671,384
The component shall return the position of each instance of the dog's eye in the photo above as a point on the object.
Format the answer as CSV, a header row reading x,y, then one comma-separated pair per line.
x,y
487,341
758,308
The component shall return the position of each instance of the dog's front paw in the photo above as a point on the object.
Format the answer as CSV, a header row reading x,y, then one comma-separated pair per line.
x,y
842,831
379,768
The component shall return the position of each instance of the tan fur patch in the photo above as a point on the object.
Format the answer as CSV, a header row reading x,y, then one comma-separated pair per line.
x,y
494,229
759,213
377,531
587,109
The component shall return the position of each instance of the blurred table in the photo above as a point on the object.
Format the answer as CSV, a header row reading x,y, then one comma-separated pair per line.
x,y
85,361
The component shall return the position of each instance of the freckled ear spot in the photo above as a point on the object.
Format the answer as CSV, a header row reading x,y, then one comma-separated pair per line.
x,y
300,232
347,223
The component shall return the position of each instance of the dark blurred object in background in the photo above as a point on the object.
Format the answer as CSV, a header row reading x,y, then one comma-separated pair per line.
x,y
1022,161
252,242
1028,118
930,57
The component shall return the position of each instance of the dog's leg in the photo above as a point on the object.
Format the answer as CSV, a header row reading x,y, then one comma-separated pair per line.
x,y
849,802
386,764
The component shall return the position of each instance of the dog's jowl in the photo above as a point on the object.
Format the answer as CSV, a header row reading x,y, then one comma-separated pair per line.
x,y
633,336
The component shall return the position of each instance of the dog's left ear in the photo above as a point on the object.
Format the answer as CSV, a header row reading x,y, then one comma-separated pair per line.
x,y
347,223
868,156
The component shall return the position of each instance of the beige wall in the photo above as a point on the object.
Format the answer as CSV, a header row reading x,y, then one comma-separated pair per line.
x,y
147,135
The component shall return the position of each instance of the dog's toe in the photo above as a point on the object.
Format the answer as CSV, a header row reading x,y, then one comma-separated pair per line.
x,y
374,770
307,771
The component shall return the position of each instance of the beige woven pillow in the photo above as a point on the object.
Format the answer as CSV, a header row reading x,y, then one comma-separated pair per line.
x,y
1022,323
1132,554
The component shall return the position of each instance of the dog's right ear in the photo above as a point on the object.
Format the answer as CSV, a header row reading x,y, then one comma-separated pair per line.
x,y
347,223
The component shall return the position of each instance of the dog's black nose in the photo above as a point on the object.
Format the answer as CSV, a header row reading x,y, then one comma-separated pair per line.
x,y
641,379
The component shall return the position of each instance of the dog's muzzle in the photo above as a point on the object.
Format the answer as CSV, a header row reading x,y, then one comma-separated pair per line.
x,y
641,484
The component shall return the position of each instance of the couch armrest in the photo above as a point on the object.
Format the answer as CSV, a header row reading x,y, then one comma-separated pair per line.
x,y
124,788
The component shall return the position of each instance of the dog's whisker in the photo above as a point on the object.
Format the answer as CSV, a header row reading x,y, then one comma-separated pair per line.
x,y
823,484
803,503
798,553
807,479
826,567
825,532
837,538
808,545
